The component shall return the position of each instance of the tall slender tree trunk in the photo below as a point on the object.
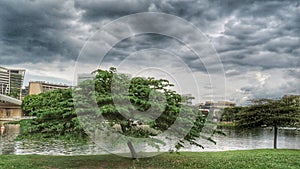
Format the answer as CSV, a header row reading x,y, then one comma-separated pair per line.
x,y
132,150
275,136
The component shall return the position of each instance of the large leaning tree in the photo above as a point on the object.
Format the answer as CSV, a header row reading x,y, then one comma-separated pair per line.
x,y
284,112
115,108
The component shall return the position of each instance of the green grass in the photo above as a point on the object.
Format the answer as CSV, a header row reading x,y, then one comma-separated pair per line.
x,y
230,159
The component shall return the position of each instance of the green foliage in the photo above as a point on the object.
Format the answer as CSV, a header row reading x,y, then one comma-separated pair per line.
x,y
31,103
55,114
230,113
15,94
131,103
268,113
142,107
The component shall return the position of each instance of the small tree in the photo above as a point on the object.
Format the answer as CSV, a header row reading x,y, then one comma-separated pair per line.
x,y
270,113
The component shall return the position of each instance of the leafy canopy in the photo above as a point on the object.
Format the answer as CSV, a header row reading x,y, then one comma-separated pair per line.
x,y
268,113
141,107
134,108
55,115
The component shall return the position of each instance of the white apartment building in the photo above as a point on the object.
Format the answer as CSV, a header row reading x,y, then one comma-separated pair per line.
x,y
11,81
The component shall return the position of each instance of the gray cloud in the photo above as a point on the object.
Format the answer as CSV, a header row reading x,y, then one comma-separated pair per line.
x,y
37,31
154,41
93,11
250,36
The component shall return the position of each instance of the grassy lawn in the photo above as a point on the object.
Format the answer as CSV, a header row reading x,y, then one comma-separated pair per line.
x,y
230,159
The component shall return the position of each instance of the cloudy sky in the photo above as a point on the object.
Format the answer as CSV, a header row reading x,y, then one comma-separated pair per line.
x,y
257,42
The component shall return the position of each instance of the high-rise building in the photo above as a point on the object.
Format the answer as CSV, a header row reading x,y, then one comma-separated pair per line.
x,y
11,81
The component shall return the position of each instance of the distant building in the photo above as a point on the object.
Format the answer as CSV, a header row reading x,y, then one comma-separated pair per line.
x,y
219,104
25,92
10,108
38,87
215,107
224,104
11,81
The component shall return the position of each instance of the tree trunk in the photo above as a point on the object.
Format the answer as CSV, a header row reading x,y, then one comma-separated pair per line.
x,y
129,143
132,150
275,136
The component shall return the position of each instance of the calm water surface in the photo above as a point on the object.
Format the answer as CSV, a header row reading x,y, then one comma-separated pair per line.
x,y
234,140
254,139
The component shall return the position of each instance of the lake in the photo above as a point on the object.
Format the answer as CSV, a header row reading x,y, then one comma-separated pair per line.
x,y
234,140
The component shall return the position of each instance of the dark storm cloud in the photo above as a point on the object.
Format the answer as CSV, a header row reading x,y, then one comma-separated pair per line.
x,y
155,41
255,33
111,9
41,30
262,34
202,11
37,31
249,36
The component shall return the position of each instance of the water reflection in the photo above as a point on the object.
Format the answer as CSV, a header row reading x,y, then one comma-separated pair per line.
x,y
234,140
56,147
8,144
7,140
253,139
